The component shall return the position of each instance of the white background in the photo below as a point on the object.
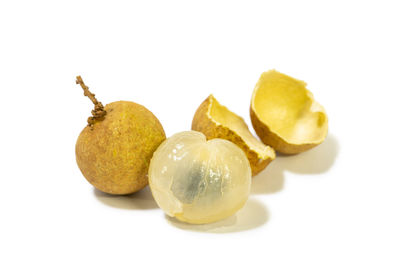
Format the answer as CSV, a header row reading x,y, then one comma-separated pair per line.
x,y
336,205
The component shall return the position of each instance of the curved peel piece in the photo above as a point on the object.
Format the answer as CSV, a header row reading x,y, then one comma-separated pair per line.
x,y
216,121
285,115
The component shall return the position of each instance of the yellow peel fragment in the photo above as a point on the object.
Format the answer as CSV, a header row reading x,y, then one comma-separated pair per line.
x,y
216,121
285,115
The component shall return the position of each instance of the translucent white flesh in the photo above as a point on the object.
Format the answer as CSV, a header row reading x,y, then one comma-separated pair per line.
x,y
199,181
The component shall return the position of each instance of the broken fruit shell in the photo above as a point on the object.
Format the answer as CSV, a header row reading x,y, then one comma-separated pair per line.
x,y
285,115
216,121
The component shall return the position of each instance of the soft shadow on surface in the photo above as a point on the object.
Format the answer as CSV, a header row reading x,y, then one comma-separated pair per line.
x,y
270,180
315,161
254,214
140,200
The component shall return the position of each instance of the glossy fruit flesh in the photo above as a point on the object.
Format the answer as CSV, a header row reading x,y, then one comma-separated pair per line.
x,y
199,181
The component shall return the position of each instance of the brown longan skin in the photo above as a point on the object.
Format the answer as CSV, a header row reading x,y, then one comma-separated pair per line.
x,y
114,154
270,138
211,130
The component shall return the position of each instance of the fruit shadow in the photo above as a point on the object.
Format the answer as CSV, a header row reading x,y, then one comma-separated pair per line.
x,y
254,214
315,161
141,200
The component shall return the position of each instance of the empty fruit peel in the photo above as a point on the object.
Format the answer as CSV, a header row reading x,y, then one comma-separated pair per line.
x,y
216,121
285,115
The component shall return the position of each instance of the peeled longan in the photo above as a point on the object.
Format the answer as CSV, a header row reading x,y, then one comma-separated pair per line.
x,y
114,150
199,181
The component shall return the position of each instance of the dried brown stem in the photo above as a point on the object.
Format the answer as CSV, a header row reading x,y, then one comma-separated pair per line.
x,y
98,112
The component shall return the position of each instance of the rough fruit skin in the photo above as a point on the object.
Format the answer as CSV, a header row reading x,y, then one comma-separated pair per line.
x,y
211,130
199,181
114,154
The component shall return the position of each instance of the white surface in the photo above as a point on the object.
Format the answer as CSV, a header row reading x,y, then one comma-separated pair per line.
x,y
336,205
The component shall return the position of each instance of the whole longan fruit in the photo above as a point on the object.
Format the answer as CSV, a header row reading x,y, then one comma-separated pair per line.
x,y
114,150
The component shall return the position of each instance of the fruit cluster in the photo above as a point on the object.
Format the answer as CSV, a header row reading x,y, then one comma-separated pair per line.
x,y
203,175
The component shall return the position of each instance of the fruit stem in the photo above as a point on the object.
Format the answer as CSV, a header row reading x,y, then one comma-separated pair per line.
x,y
98,112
